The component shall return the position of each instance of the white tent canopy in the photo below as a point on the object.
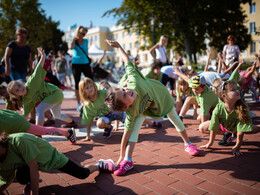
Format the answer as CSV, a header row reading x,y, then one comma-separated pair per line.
x,y
95,51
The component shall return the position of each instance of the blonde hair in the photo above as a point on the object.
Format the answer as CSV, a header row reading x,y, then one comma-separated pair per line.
x,y
10,88
216,83
82,85
181,81
162,37
80,29
241,107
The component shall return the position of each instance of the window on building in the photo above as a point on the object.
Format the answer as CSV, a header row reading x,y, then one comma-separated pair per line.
x,y
123,35
137,44
130,33
130,46
137,32
116,36
252,8
124,46
252,48
252,27
95,37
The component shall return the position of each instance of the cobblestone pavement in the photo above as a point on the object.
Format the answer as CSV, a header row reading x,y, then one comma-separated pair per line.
x,y
161,166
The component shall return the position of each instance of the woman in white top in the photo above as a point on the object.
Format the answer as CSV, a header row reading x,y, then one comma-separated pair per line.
x,y
231,50
160,49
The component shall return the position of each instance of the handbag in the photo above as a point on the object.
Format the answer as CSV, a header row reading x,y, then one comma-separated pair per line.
x,y
89,59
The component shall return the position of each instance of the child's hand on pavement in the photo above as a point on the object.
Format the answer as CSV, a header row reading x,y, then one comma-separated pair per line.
x,y
236,152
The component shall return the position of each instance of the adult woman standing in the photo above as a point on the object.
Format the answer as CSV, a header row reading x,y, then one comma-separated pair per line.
x,y
80,61
160,50
231,50
20,55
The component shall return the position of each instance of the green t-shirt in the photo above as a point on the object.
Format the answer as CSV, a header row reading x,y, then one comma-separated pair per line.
x,y
153,98
12,122
61,65
94,109
229,121
235,77
40,91
148,73
22,149
207,100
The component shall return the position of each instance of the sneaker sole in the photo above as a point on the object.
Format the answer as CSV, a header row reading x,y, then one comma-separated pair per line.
x,y
110,161
74,132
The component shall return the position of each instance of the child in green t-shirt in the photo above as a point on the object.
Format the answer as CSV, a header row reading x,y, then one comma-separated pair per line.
x,y
153,72
230,115
206,99
184,94
142,97
12,122
22,155
94,106
37,91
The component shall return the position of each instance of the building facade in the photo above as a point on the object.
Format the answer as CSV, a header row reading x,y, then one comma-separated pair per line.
x,y
252,11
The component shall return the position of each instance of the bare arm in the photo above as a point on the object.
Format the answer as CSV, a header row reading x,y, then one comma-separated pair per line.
x,y
230,68
8,52
121,50
151,51
34,176
239,65
43,56
219,62
116,125
176,70
101,59
212,136
207,64
252,69
236,148
72,44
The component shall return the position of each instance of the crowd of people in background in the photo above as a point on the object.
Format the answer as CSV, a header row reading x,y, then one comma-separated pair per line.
x,y
33,93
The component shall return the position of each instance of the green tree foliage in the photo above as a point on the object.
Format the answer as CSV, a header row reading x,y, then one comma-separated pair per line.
x,y
187,22
28,14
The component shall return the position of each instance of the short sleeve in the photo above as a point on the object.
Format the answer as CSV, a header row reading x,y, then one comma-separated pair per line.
x,y
86,118
28,150
204,106
224,49
234,76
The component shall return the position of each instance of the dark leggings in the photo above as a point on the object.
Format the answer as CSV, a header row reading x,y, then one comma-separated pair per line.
x,y
77,69
23,173
165,79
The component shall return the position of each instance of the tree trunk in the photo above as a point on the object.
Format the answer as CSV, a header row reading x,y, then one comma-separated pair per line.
x,y
187,49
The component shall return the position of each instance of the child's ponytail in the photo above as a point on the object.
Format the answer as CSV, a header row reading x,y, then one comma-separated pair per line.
x,y
242,111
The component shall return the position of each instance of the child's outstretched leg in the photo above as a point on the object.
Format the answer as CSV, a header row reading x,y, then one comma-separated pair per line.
x,y
176,121
40,130
128,142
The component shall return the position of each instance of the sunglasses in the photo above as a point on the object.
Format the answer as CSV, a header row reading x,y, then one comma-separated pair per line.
x,y
231,39
83,33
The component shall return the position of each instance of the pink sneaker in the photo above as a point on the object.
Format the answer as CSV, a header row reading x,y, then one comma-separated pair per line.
x,y
123,167
106,165
192,149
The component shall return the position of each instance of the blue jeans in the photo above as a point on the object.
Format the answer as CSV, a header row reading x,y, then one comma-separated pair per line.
x,y
15,75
